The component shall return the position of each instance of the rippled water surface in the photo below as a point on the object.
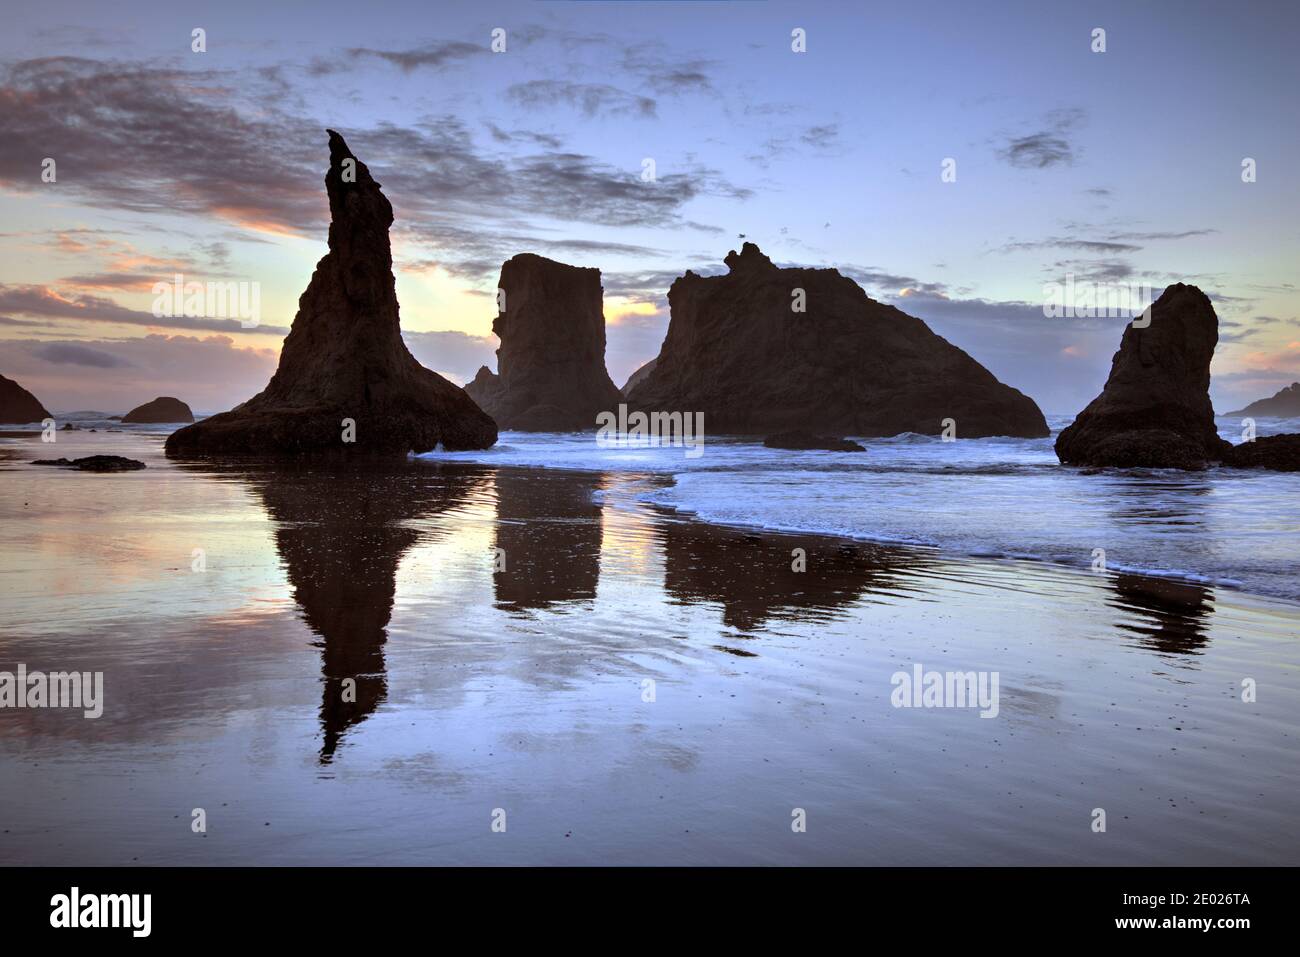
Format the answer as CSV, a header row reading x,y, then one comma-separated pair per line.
x,y
367,663
991,497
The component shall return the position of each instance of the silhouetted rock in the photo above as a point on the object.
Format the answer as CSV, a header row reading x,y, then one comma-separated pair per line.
x,y
344,357
736,351
1170,616
549,529
753,579
806,441
341,534
1285,404
162,409
1154,411
1278,452
637,376
95,463
19,405
551,363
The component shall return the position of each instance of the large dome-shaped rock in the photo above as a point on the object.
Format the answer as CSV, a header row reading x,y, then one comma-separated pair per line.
x,y
1154,411
738,352
1285,404
19,405
162,409
344,358
551,364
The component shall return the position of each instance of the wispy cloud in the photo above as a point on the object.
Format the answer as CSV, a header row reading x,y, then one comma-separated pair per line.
x,y
75,353
1048,146
433,55
45,302
592,99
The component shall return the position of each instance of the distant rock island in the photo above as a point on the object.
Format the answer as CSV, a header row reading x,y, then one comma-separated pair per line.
x,y
806,441
1155,411
1285,404
638,376
95,463
737,351
17,405
551,364
162,409
344,360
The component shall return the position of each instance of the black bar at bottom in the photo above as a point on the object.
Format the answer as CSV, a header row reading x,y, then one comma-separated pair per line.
x,y
335,905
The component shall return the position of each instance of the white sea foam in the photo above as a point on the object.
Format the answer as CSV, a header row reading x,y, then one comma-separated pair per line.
x,y
994,497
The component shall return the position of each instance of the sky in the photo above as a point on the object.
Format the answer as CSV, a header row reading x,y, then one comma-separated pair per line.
x,y
1120,167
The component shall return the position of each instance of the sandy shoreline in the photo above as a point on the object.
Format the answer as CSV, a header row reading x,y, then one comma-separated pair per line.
x,y
523,687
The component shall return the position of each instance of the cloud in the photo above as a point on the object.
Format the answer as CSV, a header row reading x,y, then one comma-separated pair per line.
x,y
651,285
1037,151
1152,237
593,99
1047,147
820,138
434,55
49,303
1094,270
158,140
664,69
1083,245
547,140
75,353
210,373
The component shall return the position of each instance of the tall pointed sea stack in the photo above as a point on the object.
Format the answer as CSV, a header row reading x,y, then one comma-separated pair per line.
x,y
344,358
1155,411
738,351
551,364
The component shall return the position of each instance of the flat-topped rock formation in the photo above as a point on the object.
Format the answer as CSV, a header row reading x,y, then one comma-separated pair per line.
x,y
551,364
738,352
17,405
344,358
1285,404
162,409
1154,411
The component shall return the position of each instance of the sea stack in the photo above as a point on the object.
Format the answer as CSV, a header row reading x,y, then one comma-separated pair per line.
x,y
1154,411
162,409
1285,404
551,364
17,405
346,382
738,351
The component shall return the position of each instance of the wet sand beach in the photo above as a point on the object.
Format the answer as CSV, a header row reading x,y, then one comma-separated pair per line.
x,y
627,684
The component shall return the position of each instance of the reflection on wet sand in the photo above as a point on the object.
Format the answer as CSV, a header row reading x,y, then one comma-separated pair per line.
x,y
341,534
754,577
1174,616
550,530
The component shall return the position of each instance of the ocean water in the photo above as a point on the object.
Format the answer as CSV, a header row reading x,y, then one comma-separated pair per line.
x,y
521,685
994,497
